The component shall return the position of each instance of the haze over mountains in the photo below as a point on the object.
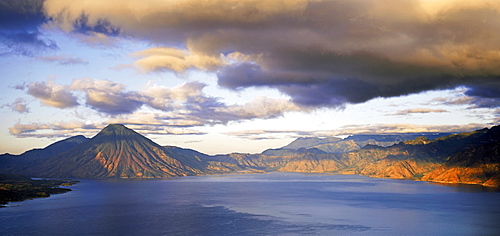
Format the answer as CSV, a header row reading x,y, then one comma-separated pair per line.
x,y
119,152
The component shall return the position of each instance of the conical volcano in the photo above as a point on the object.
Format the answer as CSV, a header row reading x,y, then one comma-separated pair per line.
x,y
116,151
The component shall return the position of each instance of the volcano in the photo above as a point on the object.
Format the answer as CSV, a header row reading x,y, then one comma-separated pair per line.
x,y
116,151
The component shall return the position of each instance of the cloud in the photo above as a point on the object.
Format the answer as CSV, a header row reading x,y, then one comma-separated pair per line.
x,y
20,23
473,97
112,98
360,129
163,58
471,102
182,106
261,107
419,111
167,99
54,130
72,128
107,96
320,53
269,134
19,105
53,95
368,129
402,128
64,60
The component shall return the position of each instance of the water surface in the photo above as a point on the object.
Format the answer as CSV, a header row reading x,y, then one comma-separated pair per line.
x,y
258,204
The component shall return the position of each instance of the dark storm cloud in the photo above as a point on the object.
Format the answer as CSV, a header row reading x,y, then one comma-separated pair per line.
x,y
472,96
320,53
485,91
20,23
101,26
484,96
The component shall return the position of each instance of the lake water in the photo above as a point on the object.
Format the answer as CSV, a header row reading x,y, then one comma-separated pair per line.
x,y
258,204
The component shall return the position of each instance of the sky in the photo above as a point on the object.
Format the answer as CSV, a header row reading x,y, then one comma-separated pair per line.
x,y
245,75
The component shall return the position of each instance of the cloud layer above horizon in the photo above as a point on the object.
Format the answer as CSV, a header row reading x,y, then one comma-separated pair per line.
x,y
318,53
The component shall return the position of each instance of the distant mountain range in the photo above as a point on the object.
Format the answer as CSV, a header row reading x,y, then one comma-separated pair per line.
x,y
119,152
351,143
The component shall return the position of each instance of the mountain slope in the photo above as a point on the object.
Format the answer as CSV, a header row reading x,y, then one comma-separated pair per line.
x,y
414,159
9,161
411,159
479,164
116,151
119,152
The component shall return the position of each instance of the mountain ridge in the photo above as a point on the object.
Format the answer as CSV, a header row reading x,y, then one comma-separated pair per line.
x,y
9,160
120,152
355,142
116,151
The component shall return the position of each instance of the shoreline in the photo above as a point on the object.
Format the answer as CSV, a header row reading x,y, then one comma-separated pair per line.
x,y
18,188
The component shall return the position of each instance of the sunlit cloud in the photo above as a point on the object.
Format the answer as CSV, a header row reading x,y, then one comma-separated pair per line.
x,y
51,94
108,97
295,56
320,53
174,108
172,59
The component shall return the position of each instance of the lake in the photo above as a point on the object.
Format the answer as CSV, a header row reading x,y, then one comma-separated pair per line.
x,y
258,204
